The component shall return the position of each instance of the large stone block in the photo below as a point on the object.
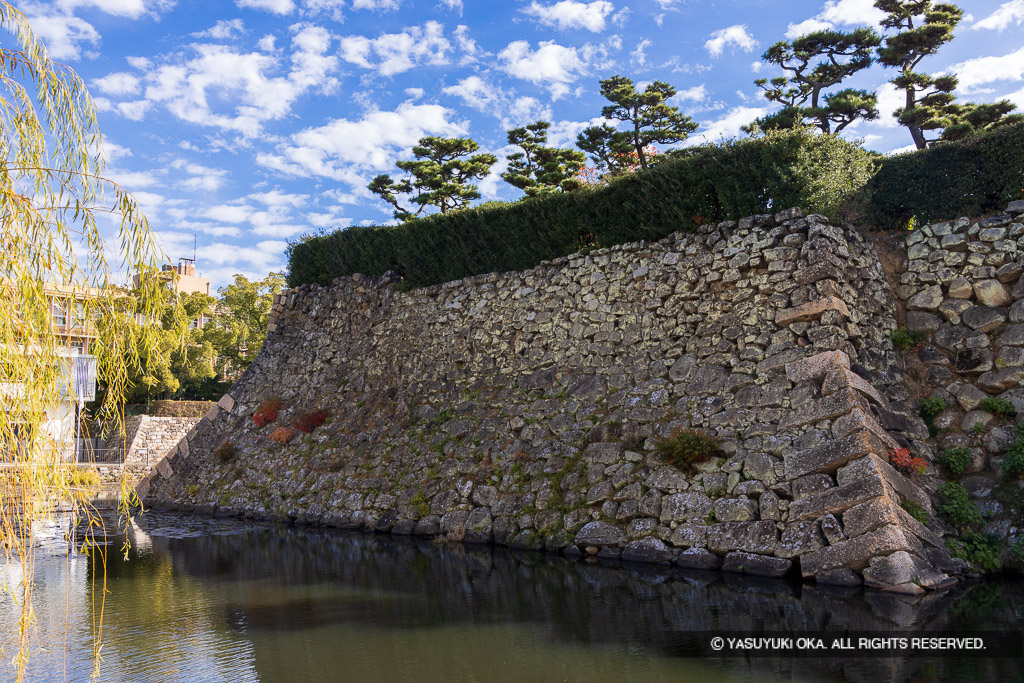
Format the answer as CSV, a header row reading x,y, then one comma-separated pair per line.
x,y
227,402
799,538
843,378
881,511
836,499
829,407
861,419
648,549
164,469
872,466
685,507
604,453
752,537
756,565
698,558
812,310
816,366
829,456
857,552
599,533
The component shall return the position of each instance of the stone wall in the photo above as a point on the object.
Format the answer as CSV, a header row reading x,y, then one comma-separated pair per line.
x,y
149,438
523,408
962,287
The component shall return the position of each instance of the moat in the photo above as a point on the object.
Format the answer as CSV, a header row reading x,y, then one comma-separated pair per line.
x,y
203,599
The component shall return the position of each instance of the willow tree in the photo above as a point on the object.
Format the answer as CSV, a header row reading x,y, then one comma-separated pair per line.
x,y
61,222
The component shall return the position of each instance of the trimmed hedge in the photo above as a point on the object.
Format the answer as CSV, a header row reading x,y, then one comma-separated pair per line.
x,y
705,184
969,178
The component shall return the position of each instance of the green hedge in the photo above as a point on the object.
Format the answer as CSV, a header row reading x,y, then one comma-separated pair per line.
x,y
705,184
969,178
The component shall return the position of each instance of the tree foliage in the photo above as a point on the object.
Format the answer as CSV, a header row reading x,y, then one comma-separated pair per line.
x,y
648,117
539,169
814,63
921,28
440,175
241,319
61,219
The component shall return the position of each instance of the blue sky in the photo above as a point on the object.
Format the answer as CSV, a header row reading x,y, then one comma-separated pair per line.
x,y
247,123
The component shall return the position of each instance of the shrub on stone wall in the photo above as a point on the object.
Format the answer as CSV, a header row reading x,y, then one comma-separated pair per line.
x,y
311,420
704,184
687,447
969,178
225,452
267,412
282,435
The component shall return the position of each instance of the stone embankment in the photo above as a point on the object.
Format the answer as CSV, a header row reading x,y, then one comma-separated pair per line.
x,y
523,409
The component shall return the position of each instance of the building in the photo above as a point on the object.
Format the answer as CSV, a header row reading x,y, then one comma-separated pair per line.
x,y
76,335
183,276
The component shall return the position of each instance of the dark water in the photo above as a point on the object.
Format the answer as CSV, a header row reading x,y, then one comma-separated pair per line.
x,y
220,600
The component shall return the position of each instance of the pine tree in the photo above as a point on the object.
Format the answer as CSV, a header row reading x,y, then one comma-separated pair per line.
x,y
814,63
922,28
538,169
440,176
650,121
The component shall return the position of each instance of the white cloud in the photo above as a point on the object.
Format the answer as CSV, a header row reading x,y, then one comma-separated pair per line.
x,y
563,133
350,151
377,5
228,213
222,30
736,35
851,12
475,92
1017,98
113,151
64,36
488,98
667,4
838,12
1011,12
393,53
218,73
807,26
889,100
981,70
130,180
265,257
135,110
281,7
118,83
276,198
726,127
415,93
570,14
638,56
200,177
330,7
697,93
208,229
552,65
454,5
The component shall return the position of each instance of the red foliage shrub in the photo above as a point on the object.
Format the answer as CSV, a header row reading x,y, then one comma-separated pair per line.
x,y
903,461
311,421
267,412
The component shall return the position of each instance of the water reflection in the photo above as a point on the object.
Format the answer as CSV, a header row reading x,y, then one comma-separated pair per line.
x,y
203,599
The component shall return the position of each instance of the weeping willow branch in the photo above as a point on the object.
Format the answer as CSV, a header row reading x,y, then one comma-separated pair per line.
x,y
69,235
